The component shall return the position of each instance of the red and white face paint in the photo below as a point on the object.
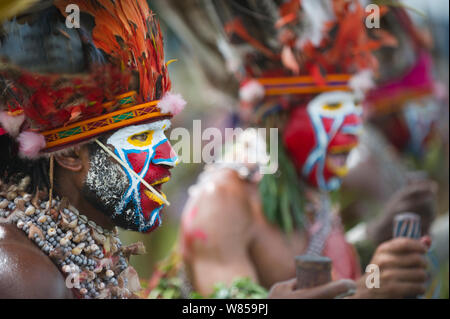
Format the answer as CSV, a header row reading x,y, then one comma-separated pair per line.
x,y
146,150
320,136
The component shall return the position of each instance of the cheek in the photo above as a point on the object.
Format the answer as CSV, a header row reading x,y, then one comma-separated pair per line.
x,y
138,160
164,152
353,120
147,205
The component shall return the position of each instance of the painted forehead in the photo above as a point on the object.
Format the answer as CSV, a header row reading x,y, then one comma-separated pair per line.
x,y
329,103
155,131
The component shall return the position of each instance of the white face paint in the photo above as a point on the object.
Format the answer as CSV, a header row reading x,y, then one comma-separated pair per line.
x,y
335,105
121,138
339,109
145,150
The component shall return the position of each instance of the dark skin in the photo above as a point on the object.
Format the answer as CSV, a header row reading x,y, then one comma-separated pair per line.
x,y
25,271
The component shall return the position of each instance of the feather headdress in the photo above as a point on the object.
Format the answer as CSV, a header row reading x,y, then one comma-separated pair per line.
x,y
303,37
299,46
407,72
72,84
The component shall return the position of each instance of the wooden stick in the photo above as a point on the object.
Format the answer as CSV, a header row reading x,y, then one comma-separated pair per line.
x,y
312,271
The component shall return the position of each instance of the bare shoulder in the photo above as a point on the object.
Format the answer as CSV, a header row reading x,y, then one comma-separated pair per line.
x,y
218,209
25,271
221,194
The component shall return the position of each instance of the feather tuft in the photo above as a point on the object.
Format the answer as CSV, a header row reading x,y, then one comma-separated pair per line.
x,y
11,124
362,82
252,92
172,103
30,144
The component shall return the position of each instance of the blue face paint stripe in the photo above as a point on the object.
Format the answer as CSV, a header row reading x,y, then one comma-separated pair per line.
x,y
172,160
317,153
148,225
160,143
135,196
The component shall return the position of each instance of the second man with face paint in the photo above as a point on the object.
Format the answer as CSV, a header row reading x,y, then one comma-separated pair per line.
x,y
303,67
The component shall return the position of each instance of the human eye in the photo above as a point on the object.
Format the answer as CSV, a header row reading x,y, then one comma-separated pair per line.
x,y
333,106
141,138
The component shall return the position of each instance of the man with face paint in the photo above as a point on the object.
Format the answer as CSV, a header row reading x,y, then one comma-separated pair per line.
x,y
296,76
145,150
329,127
402,115
83,115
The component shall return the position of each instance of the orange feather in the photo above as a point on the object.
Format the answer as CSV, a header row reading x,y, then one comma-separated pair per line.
x,y
127,31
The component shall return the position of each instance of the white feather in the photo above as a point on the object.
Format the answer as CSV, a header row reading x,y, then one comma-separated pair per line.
x,y
316,13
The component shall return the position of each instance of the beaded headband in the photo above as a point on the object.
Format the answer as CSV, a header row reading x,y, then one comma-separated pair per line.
x,y
304,84
128,114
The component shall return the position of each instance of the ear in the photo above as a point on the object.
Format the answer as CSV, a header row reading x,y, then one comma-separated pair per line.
x,y
73,160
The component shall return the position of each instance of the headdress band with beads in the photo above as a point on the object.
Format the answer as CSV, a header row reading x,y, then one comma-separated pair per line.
x,y
304,84
92,127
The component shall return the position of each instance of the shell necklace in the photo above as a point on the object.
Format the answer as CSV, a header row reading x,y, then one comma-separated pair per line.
x,y
93,260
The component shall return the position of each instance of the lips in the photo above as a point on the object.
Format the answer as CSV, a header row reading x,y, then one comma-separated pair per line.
x,y
157,176
157,185
337,156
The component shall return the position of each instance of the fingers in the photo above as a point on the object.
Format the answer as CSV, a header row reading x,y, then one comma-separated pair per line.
x,y
283,290
402,245
426,240
414,260
328,291
291,284
417,192
415,202
422,186
404,275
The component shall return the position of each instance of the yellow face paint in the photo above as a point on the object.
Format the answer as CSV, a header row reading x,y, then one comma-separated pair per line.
x,y
141,139
339,149
332,107
338,171
161,181
155,198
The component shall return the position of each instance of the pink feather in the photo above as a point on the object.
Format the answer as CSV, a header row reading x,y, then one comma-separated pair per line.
x,y
30,144
172,103
11,124
252,92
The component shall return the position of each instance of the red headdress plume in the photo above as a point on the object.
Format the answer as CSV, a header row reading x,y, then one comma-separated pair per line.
x,y
127,31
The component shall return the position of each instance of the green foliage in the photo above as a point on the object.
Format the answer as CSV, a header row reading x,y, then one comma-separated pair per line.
x,y
281,195
242,288
168,288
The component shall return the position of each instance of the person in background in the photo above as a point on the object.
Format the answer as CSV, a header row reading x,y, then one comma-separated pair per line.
x,y
302,68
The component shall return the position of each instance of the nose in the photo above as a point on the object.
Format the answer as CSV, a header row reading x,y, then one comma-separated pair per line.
x,y
165,155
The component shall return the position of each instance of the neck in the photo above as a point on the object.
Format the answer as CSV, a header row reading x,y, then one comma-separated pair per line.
x,y
66,188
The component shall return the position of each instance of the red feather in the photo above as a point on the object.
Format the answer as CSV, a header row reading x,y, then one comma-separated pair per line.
x,y
128,32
